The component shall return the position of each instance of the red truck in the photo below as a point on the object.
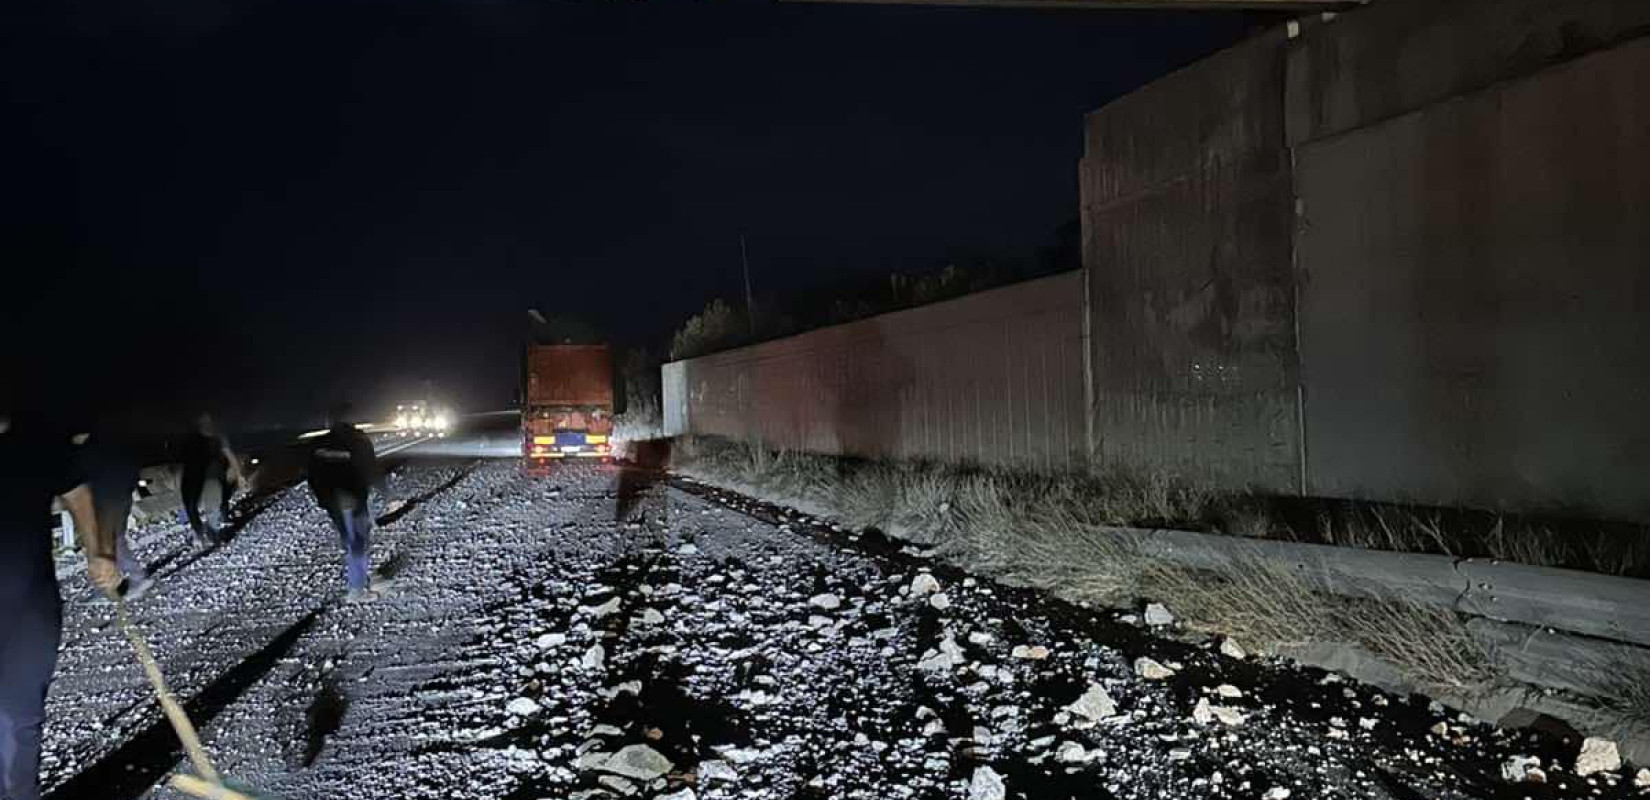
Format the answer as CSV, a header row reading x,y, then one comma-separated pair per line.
x,y
567,401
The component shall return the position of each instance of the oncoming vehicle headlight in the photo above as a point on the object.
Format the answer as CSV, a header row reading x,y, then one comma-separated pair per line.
x,y
401,420
442,423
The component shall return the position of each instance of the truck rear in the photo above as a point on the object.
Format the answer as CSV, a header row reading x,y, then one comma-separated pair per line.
x,y
567,401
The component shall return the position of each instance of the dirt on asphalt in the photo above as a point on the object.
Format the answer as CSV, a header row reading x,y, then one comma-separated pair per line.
x,y
593,631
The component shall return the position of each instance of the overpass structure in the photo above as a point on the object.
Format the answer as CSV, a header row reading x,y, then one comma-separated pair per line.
x,y
1118,5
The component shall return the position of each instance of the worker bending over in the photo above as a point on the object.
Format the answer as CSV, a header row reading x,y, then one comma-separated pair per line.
x,y
110,460
342,469
208,462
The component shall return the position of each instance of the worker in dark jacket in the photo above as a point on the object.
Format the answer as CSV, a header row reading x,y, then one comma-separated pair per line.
x,y
37,468
110,458
208,462
342,469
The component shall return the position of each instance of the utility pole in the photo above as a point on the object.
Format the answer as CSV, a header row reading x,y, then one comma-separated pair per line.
x,y
750,300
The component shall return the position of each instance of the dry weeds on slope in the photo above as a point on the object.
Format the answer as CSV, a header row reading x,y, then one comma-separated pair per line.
x,y
1061,533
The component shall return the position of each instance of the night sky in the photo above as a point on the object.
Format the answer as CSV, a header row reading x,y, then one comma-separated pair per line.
x,y
266,207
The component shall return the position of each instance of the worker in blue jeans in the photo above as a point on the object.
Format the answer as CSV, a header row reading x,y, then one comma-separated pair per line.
x,y
342,469
37,468
353,518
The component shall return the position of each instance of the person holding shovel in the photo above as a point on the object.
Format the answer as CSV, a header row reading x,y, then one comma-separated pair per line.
x,y
342,469
37,468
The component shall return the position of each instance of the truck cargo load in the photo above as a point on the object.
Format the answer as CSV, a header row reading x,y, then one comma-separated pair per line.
x,y
567,401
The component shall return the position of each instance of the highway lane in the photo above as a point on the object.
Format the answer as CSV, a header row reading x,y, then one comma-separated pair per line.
x,y
494,434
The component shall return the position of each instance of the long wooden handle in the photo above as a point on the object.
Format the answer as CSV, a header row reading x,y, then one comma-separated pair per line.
x,y
174,712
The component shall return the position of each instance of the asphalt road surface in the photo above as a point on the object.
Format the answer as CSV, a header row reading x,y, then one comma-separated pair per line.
x,y
591,631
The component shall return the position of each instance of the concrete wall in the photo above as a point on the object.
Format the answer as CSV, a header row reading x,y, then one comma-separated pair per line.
x,y
1476,275
1186,198
1396,56
994,377
673,395
1396,254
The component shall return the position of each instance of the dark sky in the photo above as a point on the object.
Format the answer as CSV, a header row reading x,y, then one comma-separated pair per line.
x,y
268,206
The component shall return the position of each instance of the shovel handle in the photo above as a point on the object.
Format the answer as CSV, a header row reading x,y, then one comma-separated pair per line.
x,y
168,703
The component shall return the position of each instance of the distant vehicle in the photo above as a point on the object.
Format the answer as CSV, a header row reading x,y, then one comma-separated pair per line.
x,y
567,401
423,419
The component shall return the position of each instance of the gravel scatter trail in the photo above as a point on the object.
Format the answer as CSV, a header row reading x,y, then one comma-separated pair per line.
x,y
210,617
595,632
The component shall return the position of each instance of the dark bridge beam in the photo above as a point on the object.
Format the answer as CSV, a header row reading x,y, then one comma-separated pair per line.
x,y
1107,5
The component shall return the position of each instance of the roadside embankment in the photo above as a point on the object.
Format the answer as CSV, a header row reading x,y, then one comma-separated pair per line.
x,y
1514,643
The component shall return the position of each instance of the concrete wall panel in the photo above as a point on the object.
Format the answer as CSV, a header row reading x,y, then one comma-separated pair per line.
x,y
1395,56
673,390
1186,223
1475,296
994,377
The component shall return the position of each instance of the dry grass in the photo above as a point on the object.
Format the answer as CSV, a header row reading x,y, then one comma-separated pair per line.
x,y
785,474
1252,522
1039,532
641,423
1626,687
1269,605
924,504
1263,604
1092,566
1619,554
1534,546
1397,530
1156,499
929,503
802,476
1431,645
1386,529
864,498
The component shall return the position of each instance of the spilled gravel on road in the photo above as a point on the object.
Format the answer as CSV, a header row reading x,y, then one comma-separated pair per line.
x,y
587,633
211,618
